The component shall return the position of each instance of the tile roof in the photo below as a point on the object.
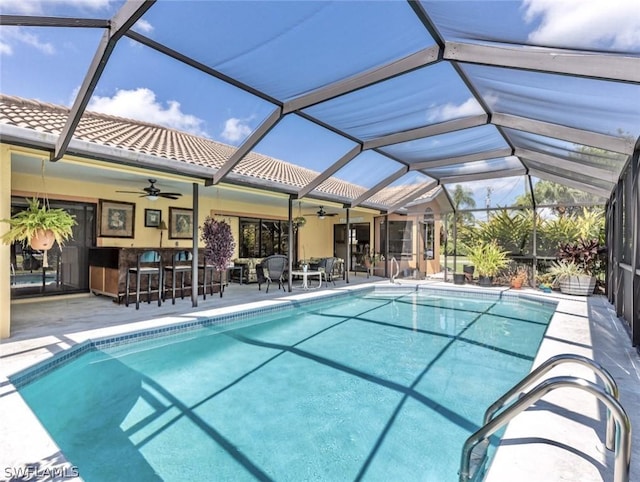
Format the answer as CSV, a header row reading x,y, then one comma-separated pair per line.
x,y
163,142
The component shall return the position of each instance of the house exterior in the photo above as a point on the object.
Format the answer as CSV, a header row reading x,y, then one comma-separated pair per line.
x,y
109,164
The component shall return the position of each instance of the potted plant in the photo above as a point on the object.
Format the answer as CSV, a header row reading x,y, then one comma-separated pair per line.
x,y
520,277
370,259
219,243
468,270
488,259
40,226
578,264
572,278
299,222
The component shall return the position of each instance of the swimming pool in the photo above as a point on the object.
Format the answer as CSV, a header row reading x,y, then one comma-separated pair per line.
x,y
373,386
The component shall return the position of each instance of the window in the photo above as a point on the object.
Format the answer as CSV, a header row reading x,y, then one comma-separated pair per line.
x,y
429,230
260,238
400,239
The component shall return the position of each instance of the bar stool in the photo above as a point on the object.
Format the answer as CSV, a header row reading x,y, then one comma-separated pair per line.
x,y
148,263
210,270
180,267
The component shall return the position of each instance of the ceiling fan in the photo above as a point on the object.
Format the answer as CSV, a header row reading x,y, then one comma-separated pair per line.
x,y
152,193
321,213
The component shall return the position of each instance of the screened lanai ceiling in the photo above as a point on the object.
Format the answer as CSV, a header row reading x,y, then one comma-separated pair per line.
x,y
405,100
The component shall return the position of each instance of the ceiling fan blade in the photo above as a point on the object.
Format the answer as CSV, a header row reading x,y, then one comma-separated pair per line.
x,y
165,194
169,195
133,192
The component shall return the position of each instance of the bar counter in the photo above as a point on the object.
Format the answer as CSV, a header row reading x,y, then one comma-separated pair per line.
x,y
108,267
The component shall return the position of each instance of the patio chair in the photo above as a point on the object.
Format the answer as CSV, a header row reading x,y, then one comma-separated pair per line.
x,y
327,264
272,269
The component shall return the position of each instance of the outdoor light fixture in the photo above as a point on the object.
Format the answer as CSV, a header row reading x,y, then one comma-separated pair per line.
x,y
162,228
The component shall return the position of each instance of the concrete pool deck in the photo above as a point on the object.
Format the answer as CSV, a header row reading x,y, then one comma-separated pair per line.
x,y
559,438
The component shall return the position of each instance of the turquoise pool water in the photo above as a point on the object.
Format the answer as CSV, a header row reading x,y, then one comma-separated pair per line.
x,y
378,386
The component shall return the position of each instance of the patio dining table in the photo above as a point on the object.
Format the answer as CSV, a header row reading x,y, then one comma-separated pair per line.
x,y
309,274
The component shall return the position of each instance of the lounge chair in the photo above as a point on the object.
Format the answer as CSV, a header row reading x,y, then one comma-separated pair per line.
x,y
272,269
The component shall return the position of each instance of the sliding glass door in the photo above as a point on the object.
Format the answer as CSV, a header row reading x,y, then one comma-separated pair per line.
x,y
60,270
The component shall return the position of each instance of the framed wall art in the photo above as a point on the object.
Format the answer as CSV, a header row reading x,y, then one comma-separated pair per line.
x,y
116,219
152,218
180,223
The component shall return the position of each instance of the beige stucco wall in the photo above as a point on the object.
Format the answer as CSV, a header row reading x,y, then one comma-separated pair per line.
x,y
64,189
315,239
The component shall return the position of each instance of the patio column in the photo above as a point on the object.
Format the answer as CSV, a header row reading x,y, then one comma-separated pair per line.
x,y
347,258
290,246
5,249
534,267
455,241
194,258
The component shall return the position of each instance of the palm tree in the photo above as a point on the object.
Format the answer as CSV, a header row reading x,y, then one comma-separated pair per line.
x,y
462,197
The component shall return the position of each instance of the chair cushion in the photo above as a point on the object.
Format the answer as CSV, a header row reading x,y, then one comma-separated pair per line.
x,y
249,271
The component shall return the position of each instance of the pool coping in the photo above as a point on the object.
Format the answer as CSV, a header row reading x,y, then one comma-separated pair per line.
x,y
54,459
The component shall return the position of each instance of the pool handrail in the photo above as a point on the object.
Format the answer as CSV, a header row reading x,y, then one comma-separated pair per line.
x,y
610,386
395,274
623,424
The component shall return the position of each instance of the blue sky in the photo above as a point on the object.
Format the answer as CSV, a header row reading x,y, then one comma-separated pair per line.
x,y
259,45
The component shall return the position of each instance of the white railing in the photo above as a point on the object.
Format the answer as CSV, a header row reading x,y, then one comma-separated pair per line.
x,y
396,272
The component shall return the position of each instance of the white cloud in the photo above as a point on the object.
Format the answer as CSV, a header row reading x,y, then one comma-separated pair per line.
x,y
492,100
611,23
235,130
451,111
38,7
22,7
141,104
143,26
5,48
9,36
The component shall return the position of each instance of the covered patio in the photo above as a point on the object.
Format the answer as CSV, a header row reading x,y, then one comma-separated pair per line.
x,y
379,112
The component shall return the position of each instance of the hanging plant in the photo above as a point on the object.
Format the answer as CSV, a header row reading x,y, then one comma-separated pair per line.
x,y
299,221
39,225
219,243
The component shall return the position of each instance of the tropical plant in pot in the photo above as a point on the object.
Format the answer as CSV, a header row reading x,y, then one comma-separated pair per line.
x,y
575,271
571,278
40,226
520,277
372,258
488,259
